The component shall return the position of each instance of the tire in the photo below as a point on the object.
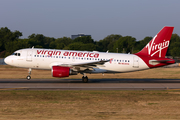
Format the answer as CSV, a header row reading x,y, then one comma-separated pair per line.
x,y
85,79
28,77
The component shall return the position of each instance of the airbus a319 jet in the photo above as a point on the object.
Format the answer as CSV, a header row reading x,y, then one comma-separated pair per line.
x,y
64,63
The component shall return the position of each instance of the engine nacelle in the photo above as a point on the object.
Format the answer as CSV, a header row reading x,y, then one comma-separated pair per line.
x,y
59,71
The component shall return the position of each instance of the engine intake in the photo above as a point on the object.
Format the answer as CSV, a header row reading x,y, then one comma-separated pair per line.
x,y
59,71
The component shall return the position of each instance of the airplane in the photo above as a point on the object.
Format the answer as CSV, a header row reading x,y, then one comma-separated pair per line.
x,y
64,63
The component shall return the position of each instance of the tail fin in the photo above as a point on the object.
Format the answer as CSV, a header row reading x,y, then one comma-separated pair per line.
x,y
158,46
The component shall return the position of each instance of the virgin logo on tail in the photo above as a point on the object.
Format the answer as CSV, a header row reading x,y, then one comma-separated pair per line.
x,y
158,46
154,48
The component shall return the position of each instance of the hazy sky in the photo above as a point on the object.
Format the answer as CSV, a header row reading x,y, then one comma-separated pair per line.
x,y
99,18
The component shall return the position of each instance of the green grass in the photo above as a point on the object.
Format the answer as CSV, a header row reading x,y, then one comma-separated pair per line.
x,y
89,105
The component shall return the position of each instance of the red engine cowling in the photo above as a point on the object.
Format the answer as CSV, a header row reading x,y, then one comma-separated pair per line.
x,y
58,71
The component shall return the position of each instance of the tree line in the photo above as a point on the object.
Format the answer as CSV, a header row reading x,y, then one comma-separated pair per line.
x,y
10,41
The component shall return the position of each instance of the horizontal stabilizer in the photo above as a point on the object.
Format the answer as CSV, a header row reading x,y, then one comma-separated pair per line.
x,y
155,62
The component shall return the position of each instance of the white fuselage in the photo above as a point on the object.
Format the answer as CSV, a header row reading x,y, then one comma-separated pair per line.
x,y
63,63
46,58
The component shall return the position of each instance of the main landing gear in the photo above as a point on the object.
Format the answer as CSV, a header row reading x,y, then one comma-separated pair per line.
x,y
85,78
29,76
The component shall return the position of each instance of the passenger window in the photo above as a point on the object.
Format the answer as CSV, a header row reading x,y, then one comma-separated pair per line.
x,y
34,55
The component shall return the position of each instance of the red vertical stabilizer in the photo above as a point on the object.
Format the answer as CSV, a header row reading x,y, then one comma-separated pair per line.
x,y
158,46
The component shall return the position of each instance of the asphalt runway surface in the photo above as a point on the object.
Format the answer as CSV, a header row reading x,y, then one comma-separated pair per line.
x,y
94,84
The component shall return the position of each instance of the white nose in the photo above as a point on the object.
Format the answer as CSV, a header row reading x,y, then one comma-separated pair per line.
x,y
7,60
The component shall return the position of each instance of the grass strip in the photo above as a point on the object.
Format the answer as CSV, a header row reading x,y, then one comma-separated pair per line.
x,y
89,105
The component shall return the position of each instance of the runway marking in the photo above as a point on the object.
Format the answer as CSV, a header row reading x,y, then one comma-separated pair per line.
x,y
14,88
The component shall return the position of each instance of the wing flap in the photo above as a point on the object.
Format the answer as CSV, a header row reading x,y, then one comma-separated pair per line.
x,y
85,66
93,64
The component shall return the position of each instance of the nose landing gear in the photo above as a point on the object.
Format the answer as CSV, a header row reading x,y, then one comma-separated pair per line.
x,y
29,76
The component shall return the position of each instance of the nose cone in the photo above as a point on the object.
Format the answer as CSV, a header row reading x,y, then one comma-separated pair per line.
x,y
7,60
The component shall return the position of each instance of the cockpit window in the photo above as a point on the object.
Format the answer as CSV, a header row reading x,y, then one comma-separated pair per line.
x,y
16,54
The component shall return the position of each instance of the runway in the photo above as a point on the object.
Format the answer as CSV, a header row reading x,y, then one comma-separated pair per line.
x,y
94,84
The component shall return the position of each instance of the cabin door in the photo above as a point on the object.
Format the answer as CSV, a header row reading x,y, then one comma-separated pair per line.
x,y
29,56
136,62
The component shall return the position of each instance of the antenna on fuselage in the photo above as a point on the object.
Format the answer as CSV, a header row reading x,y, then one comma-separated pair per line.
x,y
33,47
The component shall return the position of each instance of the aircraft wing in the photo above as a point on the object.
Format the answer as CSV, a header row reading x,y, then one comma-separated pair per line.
x,y
88,64
85,66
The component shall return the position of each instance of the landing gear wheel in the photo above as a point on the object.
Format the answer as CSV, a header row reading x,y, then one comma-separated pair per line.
x,y
28,77
85,79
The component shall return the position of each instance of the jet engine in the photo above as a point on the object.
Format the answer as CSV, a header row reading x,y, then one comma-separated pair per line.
x,y
59,71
